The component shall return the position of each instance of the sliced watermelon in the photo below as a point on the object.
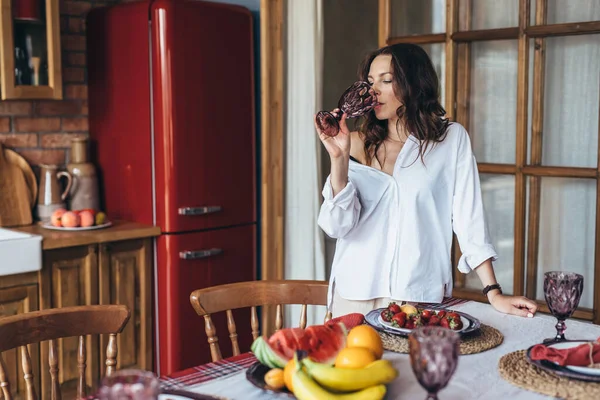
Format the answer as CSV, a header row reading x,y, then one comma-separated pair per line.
x,y
321,342
263,353
325,342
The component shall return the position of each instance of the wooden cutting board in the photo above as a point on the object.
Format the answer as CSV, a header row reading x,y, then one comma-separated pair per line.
x,y
18,189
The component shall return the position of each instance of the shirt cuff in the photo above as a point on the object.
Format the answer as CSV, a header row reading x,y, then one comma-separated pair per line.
x,y
472,259
343,199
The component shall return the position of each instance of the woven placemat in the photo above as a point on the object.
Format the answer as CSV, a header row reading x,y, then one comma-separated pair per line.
x,y
484,339
515,369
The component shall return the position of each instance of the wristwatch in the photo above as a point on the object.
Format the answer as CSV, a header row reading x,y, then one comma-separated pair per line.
x,y
492,287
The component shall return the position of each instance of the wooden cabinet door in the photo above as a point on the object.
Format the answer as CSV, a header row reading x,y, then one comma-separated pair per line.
x,y
70,278
18,300
125,278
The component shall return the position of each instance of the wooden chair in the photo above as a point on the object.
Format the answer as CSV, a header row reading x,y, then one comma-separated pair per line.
x,y
252,294
50,325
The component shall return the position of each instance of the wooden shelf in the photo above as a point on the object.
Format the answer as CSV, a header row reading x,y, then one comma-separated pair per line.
x,y
120,230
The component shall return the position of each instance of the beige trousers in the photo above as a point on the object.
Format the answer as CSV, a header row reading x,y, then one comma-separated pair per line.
x,y
341,306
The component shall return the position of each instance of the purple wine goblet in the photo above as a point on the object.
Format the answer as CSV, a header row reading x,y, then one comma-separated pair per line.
x,y
129,384
562,291
357,100
433,357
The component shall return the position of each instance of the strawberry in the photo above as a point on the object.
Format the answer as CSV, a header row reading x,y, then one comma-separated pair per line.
x,y
455,324
433,321
386,315
445,323
394,308
399,319
426,314
453,315
441,314
410,324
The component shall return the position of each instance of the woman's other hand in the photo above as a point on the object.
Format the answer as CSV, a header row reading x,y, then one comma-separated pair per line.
x,y
515,305
337,146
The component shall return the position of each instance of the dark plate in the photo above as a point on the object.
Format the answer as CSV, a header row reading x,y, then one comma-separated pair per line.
x,y
256,375
372,318
558,370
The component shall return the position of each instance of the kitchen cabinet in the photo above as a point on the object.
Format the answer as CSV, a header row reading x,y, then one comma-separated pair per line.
x,y
30,56
109,266
15,300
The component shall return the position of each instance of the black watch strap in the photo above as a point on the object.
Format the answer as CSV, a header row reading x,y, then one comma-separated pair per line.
x,y
492,287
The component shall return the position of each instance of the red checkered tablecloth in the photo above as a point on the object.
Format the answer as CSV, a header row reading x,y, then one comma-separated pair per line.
x,y
220,369
207,372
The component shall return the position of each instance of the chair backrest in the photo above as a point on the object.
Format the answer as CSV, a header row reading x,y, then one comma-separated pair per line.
x,y
252,294
49,325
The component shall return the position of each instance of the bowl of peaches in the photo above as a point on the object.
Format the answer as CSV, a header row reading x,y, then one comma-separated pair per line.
x,y
77,220
402,319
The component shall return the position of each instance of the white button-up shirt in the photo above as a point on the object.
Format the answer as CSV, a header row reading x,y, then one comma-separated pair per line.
x,y
394,232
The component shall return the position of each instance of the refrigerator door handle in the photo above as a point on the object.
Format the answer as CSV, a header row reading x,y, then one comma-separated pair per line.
x,y
196,254
198,210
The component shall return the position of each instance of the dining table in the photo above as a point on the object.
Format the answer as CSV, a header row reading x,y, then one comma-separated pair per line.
x,y
476,376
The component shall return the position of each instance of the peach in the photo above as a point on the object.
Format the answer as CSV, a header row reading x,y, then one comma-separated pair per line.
x,y
70,219
56,216
87,218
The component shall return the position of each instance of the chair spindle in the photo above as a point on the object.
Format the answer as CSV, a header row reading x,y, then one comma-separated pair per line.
x,y
213,340
279,317
254,323
303,317
53,361
232,333
27,373
4,380
111,354
81,365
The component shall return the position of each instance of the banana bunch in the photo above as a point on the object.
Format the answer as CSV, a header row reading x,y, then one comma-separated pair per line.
x,y
312,381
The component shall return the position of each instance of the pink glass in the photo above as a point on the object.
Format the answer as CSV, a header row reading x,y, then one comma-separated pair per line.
x,y
433,357
562,291
356,101
130,385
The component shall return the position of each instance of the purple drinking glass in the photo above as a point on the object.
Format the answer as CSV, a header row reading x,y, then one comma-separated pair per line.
x,y
357,100
130,384
433,357
562,291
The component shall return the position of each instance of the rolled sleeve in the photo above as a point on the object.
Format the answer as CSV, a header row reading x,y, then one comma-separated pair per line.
x,y
339,213
468,216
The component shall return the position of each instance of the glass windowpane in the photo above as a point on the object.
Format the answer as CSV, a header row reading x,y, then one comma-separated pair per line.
x,y
498,193
489,14
567,231
564,11
493,102
411,17
570,132
437,53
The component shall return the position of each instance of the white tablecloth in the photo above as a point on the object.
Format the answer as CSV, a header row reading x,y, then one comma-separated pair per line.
x,y
476,376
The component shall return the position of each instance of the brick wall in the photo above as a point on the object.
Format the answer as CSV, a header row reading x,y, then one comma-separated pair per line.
x,y
41,130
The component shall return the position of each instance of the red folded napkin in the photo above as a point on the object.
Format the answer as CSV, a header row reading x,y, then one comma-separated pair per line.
x,y
582,356
349,320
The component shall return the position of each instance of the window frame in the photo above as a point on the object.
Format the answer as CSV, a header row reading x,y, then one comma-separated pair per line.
x,y
457,92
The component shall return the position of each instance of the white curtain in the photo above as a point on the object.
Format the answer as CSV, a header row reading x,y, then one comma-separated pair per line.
x,y
304,242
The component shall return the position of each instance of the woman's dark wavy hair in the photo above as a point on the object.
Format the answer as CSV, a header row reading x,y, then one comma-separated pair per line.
x,y
416,85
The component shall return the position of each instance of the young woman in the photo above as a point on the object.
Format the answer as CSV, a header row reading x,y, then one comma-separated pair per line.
x,y
398,188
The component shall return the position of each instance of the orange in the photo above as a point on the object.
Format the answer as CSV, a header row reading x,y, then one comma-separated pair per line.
x,y
365,336
288,372
354,357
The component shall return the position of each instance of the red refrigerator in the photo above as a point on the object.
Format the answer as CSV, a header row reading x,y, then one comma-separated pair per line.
x,y
171,113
